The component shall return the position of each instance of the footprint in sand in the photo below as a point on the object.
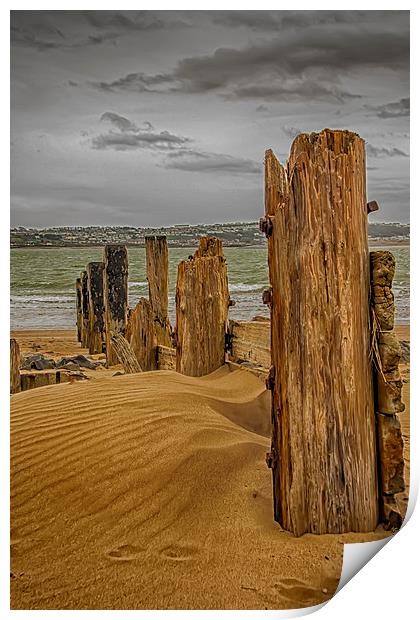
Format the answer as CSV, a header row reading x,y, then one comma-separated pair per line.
x,y
179,553
125,553
299,592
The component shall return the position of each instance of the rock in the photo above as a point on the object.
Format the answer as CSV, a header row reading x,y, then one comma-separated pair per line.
x,y
382,264
405,351
391,459
391,515
70,366
388,393
389,350
77,376
37,361
81,360
118,374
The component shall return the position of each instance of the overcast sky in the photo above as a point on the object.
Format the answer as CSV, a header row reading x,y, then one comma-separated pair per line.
x,y
158,118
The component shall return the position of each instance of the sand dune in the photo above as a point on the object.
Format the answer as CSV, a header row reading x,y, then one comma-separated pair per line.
x,y
151,491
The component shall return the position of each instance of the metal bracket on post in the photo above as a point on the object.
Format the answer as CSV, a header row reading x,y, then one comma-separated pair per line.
x,y
266,226
267,296
372,206
228,342
269,382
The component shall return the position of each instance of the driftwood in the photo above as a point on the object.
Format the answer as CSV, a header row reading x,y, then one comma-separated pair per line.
x,y
388,387
141,334
79,317
157,276
323,424
115,295
124,353
14,366
85,309
202,303
96,340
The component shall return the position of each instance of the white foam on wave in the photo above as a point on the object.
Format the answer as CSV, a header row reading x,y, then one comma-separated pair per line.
x,y
240,287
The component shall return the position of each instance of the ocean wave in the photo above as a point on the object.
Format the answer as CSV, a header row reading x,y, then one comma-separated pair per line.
x,y
137,284
245,288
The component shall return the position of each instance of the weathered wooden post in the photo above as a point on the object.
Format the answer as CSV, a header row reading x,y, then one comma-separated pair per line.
x,y
79,316
202,303
157,276
388,387
115,295
323,452
95,273
14,366
85,309
141,334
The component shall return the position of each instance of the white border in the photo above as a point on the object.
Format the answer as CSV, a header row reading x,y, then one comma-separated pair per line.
x,y
387,585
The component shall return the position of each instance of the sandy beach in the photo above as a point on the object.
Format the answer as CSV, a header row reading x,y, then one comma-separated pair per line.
x,y
151,491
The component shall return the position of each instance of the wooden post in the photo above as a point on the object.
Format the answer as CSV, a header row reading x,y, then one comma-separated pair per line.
x,y
323,426
14,366
141,334
79,317
95,272
202,302
157,276
388,386
115,295
85,309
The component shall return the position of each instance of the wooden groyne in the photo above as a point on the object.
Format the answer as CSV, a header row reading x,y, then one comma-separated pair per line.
x,y
202,304
96,338
328,352
157,276
115,291
323,453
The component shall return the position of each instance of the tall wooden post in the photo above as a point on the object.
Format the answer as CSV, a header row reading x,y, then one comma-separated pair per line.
x,y
85,309
141,334
157,276
115,295
79,316
202,303
323,427
95,272
388,386
14,366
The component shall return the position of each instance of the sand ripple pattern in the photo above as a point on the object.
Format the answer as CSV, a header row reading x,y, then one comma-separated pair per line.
x,y
151,491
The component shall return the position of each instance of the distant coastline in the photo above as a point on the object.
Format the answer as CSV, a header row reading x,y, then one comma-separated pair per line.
x,y
234,235
371,242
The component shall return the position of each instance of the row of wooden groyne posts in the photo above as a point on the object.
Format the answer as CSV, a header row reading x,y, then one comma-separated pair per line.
x,y
329,351
142,339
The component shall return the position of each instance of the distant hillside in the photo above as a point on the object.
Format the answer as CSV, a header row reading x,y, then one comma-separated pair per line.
x,y
185,235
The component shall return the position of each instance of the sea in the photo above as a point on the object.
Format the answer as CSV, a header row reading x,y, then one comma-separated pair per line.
x,y
42,283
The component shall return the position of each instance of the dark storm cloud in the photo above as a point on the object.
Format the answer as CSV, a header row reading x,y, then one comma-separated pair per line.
x,y
37,29
178,154
201,161
131,137
384,151
139,21
393,109
289,67
302,89
122,123
271,21
29,37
